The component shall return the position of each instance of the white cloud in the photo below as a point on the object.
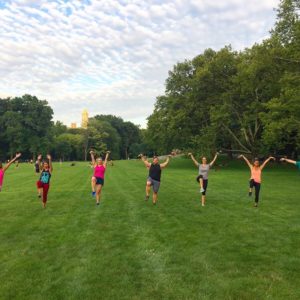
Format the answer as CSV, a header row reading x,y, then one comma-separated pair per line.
x,y
113,56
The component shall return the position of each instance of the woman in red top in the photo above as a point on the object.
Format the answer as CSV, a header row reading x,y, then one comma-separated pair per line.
x,y
98,177
255,180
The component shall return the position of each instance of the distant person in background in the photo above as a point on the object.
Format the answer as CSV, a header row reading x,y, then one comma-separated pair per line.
x,y
37,165
202,178
98,178
4,169
255,180
293,162
43,184
154,176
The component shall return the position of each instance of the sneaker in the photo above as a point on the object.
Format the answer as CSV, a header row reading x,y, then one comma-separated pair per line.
x,y
39,196
202,190
203,204
147,198
255,204
97,203
93,194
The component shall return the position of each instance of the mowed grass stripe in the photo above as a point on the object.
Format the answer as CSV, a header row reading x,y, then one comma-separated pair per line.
x,y
128,249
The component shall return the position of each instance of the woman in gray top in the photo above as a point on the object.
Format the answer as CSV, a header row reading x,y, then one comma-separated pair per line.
x,y
203,174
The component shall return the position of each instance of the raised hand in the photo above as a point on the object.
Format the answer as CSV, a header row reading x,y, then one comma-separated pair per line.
x,y
189,154
92,152
48,156
18,155
39,157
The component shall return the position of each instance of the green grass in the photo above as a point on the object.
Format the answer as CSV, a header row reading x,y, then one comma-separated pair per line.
x,y
129,249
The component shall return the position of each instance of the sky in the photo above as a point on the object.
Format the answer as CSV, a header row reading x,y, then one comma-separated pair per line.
x,y
113,56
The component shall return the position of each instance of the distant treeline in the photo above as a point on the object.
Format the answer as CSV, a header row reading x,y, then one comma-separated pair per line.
x,y
26,126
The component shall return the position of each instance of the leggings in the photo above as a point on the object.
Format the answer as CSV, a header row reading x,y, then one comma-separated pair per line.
x,y
256,185
45,187
205,183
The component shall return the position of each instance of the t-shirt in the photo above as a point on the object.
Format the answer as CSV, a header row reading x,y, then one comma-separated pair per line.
x,y
298,164
155,172
203,170
45,177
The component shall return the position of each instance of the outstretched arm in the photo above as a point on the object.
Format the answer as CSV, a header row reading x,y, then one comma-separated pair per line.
x,y
145,161
12,161
106,158
39,161
266,161
93,157
163,165
193,159
213,161
288,160
50,162
246,160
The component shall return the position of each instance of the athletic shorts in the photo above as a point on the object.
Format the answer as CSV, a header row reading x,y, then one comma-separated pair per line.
x,y
154,183
99,180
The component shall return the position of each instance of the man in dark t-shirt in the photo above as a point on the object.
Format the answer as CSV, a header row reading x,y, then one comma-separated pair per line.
x,y
154,176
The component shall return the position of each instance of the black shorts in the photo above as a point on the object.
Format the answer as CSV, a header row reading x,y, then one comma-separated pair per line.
x,y
205,183
99,180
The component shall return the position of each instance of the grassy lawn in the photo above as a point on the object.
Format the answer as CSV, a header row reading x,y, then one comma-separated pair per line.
x,y
129,249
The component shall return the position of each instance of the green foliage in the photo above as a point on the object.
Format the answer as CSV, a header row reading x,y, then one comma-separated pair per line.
x,y
25,124
240,102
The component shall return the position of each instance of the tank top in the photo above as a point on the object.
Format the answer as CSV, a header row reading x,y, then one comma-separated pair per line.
x,y
203,170
256,174
1,176
99,171
155,172
45,177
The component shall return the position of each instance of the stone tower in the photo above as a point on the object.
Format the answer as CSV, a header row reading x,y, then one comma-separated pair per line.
x,y
84,119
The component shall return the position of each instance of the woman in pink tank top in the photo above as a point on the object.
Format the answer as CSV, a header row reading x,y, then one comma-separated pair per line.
x,y
3,169
255,180
98,177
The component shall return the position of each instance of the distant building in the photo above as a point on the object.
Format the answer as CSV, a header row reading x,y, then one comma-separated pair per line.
x,y
73,125
84,119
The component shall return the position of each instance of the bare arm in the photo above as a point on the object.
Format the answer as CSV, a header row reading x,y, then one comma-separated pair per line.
x,y
288,160
193,159
145,161
12,161
163,165
93,157
246,160
213,161
266,161
106,158
50,162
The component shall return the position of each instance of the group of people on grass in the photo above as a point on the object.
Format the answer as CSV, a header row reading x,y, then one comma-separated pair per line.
x,y
44,169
